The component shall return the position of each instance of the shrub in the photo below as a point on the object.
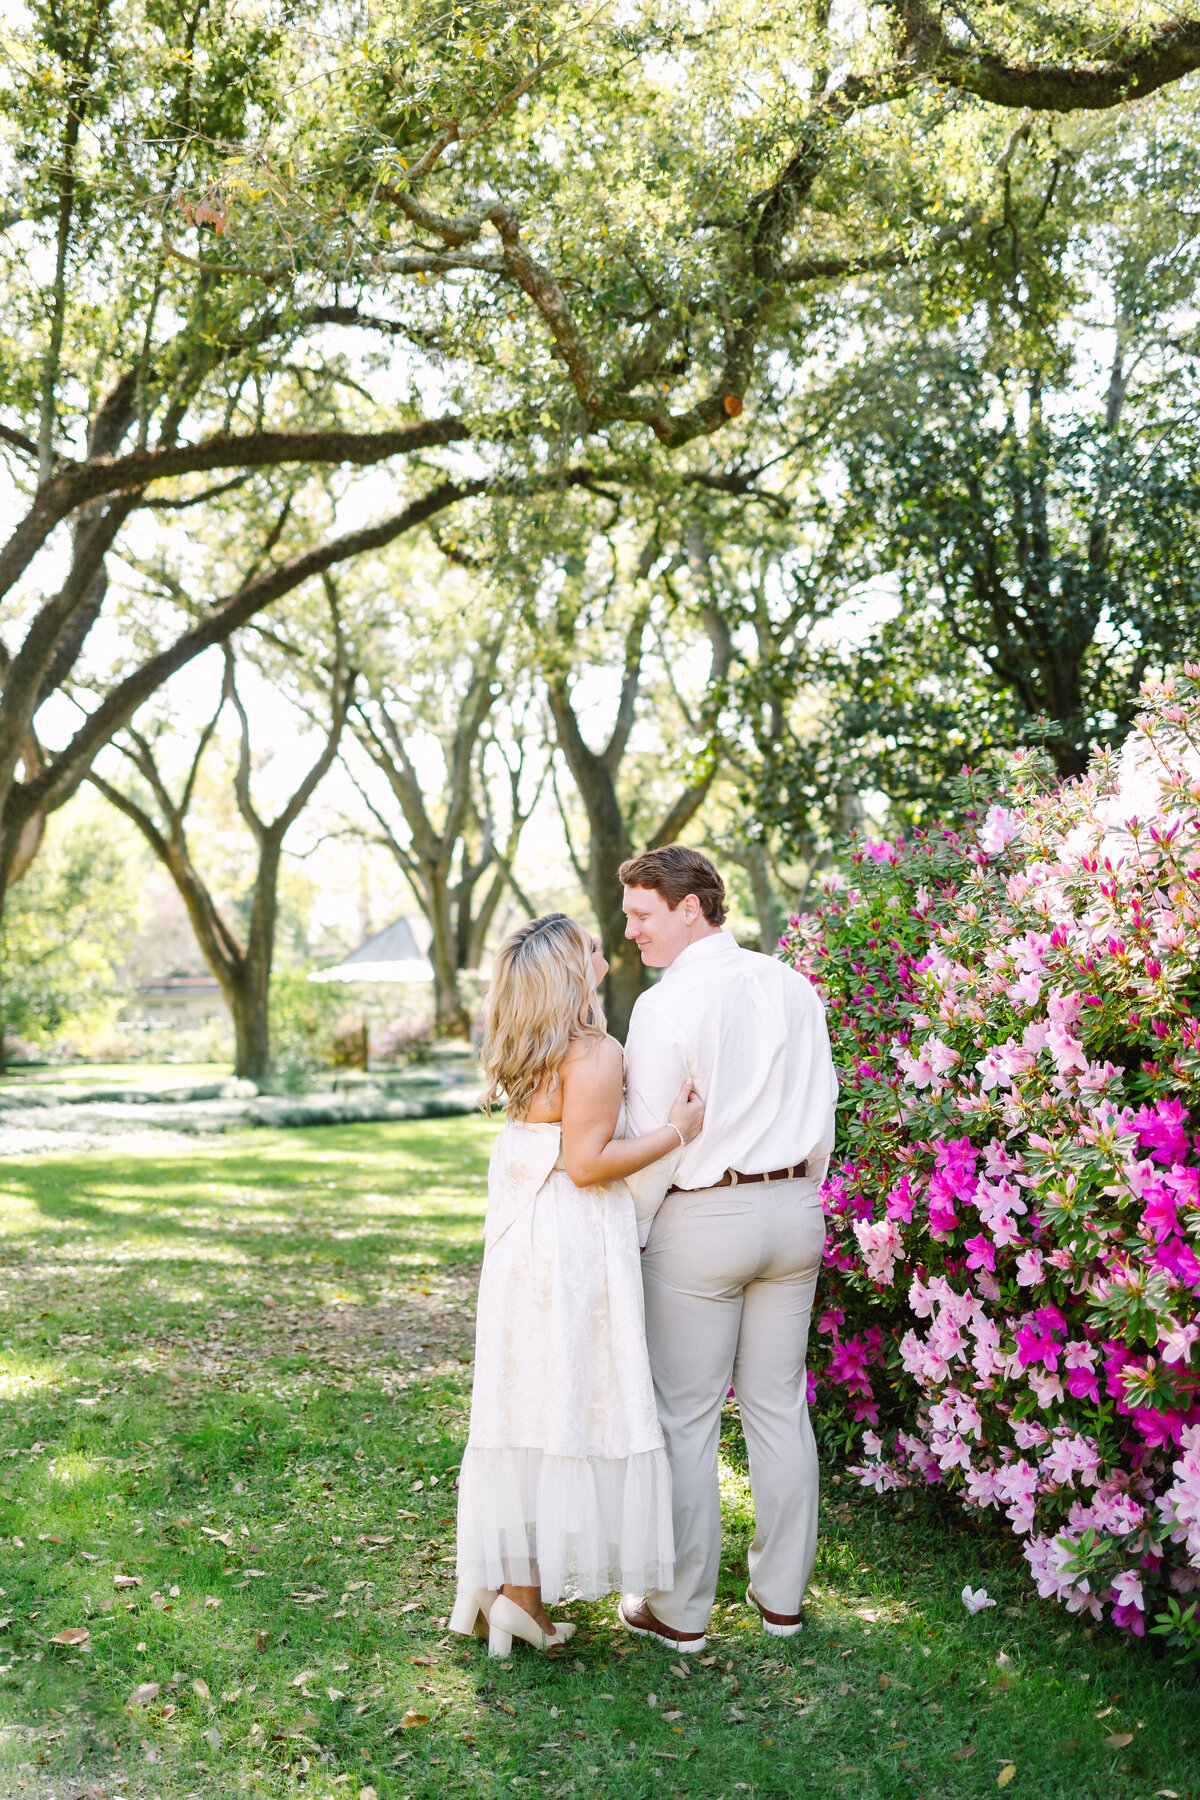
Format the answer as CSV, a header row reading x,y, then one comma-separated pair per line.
x,y
1010,1300
402,1042
349,1045
302,1029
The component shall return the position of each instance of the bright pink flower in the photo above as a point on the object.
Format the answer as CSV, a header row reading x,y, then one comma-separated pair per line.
x,y
1161,1130
983,1253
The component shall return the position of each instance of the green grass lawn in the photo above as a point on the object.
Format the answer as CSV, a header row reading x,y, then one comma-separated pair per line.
x,y
235,1382
148,1075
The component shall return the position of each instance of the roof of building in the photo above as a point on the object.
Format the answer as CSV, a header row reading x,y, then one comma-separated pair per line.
x,y
392,954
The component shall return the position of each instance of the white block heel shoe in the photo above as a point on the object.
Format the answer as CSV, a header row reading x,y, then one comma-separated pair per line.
x,y
472,1611
508,1620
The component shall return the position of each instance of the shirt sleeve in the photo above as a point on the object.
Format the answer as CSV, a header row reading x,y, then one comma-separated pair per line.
x,y
655,1066
818,1157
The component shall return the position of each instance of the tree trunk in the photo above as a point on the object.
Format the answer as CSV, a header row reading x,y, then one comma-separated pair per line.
x,y
626,979
753,858
252,1004
450,1013
249,1004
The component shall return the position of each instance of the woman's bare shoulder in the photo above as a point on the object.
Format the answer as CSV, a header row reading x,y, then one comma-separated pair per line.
x,y
598,1055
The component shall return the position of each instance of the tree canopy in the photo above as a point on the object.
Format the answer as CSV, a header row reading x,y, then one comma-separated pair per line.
x,y
794,294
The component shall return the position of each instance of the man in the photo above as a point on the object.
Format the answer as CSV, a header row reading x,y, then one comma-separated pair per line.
x,y
733,1233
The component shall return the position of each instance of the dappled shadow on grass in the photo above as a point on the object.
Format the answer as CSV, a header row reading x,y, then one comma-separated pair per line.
x,y
250,1387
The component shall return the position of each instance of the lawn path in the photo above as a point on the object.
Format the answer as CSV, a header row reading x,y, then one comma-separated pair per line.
x,y
234,1379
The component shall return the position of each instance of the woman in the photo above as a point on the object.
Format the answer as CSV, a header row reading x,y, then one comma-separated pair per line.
x,y
564,1490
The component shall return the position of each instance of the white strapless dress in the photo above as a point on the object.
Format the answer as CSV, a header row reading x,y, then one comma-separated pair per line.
x,y
565,1480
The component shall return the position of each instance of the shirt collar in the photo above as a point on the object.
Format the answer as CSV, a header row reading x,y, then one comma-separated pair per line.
x,y
702,950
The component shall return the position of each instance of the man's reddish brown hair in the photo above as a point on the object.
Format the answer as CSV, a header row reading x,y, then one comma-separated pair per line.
x,y
674,871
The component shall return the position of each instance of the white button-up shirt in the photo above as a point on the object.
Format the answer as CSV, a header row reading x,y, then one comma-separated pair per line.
x,y
750,1033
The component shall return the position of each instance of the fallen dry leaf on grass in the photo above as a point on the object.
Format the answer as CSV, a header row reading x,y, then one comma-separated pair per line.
x,y
1006,1774
127,1581
885,1682
200,1689
1117,1740
212,1738
412,1719
962,1755
144,1694
335,1694
367,1793
304,1675
74,1634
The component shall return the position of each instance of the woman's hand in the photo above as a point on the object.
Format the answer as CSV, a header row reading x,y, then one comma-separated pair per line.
x,y
687,1112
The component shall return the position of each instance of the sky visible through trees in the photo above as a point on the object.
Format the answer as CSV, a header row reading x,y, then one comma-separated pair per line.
x,y
773,408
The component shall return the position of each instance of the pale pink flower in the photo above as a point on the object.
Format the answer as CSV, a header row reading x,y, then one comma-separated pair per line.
x,y
976,1599
992,1071
879,1476
1177,1340
1029,1269
999,828
951,1453
941,1057
1066,1050
981,1486
1064,1009
1127,1590
882,1246
1026,991
1046,1385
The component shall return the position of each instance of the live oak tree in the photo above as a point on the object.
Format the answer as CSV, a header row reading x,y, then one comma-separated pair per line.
x,y
1017,446
446,720
581,243
240,955
132,372
621,622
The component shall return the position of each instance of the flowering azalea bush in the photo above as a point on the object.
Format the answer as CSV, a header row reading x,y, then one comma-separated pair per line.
x,y
1010,1307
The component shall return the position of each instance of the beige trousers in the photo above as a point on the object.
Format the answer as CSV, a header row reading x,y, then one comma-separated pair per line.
x,y
729,1277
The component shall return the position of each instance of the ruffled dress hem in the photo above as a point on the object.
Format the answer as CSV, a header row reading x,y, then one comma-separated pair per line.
x,y
578,1527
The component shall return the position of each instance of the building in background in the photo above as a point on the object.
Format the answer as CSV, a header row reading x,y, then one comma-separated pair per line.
x,y
389,958
180,1001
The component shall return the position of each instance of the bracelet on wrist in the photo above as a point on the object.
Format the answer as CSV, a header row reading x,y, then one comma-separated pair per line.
x,y
682,1139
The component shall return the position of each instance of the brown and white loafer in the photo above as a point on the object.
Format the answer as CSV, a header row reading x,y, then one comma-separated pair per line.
x,y
775,1624
636,1616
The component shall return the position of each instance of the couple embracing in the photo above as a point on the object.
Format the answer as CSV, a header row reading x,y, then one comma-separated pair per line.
x,y
591,1461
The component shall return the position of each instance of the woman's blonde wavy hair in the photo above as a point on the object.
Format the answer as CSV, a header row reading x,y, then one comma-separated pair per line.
x,y
540,1000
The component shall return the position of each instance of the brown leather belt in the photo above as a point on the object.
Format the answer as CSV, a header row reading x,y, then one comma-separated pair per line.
x,y
734,1178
